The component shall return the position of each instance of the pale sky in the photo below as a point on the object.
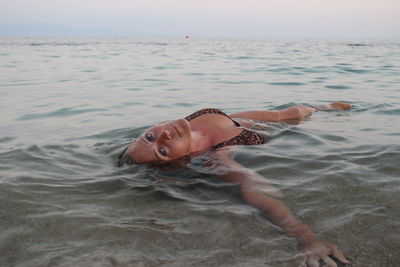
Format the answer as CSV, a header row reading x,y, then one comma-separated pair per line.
x,y
263,18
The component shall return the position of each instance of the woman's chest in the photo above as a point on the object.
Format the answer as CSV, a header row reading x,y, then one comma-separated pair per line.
x,y
217,128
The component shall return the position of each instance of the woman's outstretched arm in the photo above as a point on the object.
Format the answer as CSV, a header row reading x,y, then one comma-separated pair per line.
x,y
290,113
257,192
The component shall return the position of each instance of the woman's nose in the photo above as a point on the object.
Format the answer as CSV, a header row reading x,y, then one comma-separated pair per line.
x,y
166,134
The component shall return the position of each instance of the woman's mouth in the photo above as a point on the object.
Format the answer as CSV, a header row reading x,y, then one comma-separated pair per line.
x,y
176,129
181,127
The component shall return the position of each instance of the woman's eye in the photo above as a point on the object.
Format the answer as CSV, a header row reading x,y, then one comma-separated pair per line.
x,y
149,137
163,151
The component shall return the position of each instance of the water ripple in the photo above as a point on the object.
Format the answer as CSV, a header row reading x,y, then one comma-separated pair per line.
x,y
72,104
63,112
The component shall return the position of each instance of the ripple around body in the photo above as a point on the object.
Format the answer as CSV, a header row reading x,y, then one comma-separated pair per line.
x,y
73,104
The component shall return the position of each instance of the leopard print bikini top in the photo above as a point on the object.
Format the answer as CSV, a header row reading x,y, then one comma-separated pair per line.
x,y
246,137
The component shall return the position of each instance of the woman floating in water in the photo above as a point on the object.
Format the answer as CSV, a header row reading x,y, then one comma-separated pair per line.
x,y
214,132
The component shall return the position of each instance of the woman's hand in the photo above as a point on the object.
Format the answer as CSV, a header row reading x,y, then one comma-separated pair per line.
x,y
335,106
317,250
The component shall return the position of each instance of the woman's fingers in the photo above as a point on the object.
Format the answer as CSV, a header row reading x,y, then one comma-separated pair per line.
x,y
319,251
339,255
335,106
312,262
340,105
329,262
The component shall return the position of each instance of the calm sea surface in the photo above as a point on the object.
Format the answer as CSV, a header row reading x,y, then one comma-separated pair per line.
x,y
69,105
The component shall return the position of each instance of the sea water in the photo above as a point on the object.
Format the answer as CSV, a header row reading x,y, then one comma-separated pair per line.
x,y
68,106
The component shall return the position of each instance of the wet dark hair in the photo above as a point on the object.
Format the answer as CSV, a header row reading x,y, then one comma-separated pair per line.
x,y
124,158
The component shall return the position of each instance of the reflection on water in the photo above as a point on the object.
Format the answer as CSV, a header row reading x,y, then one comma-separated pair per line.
x,y
69,107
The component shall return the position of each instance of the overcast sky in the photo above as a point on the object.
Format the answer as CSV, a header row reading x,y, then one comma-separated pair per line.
x,y
264,18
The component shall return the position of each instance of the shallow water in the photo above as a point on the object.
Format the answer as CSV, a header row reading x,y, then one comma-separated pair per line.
x,y
69,105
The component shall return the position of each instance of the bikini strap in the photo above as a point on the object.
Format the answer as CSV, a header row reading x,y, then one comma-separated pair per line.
x,y
210,111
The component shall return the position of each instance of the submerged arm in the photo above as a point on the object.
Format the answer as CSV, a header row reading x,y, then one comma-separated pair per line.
x,y
258,193
290,113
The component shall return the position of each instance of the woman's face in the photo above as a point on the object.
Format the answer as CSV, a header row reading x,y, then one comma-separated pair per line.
x,y
162,142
